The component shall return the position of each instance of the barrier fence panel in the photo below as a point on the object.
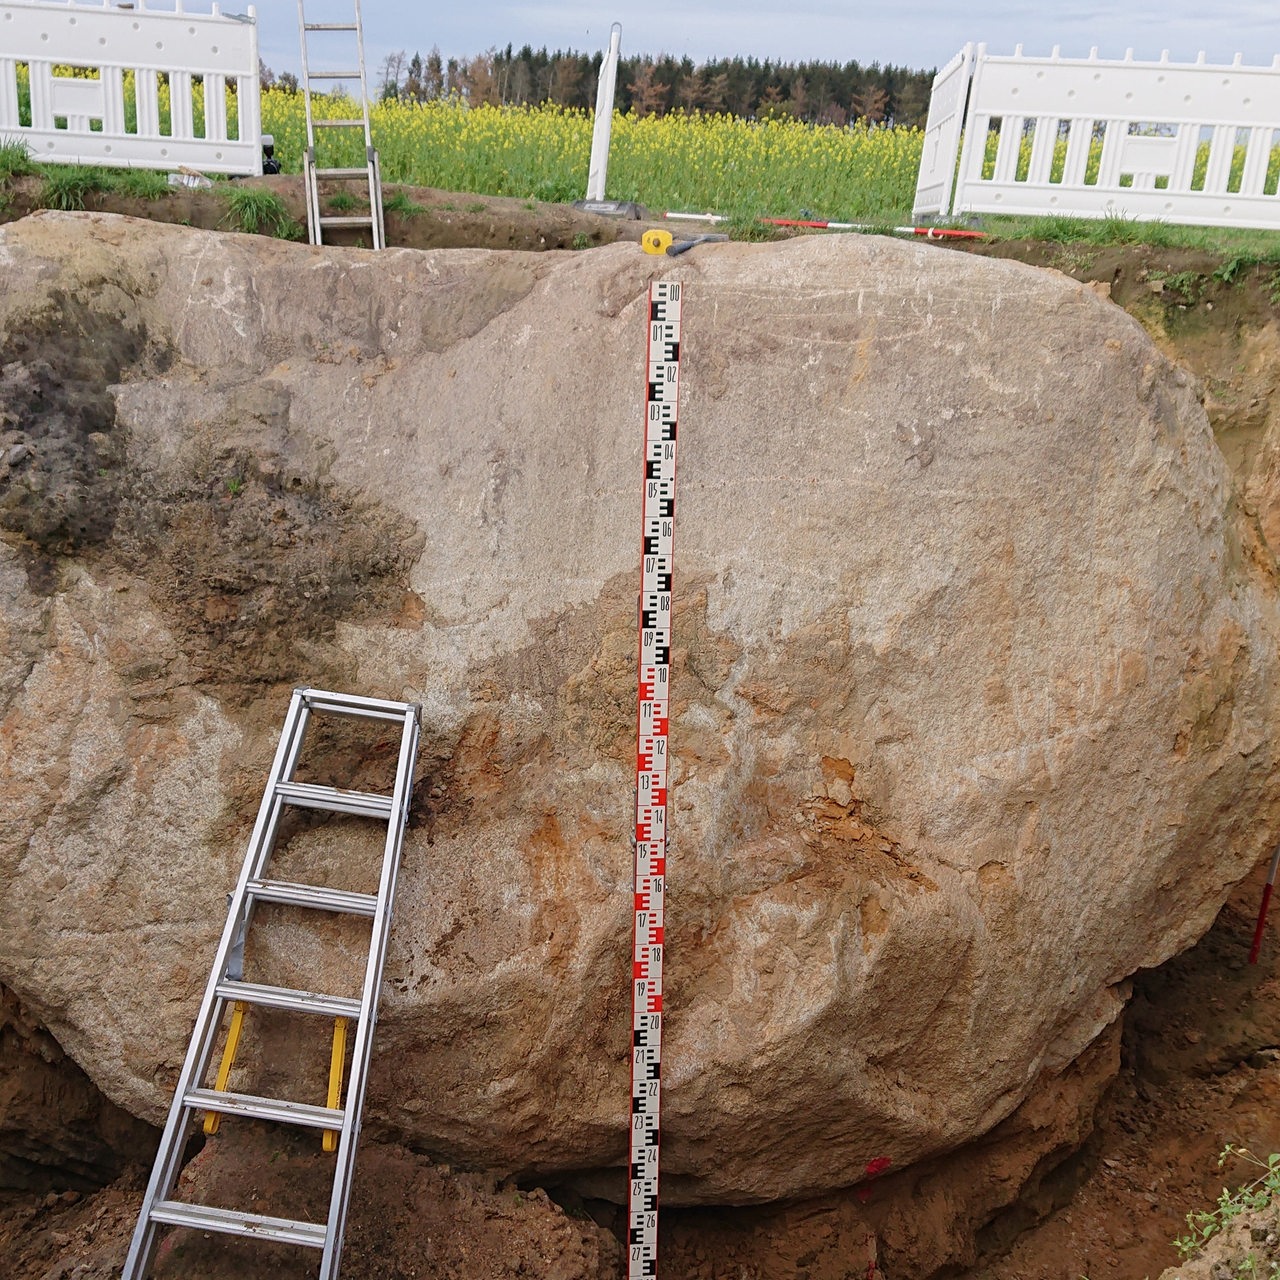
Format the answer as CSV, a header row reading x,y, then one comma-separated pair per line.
x,y
134,85
1088,137
942,131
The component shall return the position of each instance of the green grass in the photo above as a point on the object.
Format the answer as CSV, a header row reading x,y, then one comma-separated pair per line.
x,y
259,212
749,227
342,202
403,204
140,184
15,160
1240,242
66,186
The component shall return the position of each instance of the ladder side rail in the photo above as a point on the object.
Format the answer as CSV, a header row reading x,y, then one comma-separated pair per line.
x,y
313,196
377,225
361,1050
164,1172
375,200
364,88
306,75
309,151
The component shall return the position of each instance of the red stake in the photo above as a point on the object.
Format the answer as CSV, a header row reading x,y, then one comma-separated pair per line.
x,y
1262,910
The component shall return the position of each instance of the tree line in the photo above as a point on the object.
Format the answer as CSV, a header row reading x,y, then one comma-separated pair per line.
x,y
817,92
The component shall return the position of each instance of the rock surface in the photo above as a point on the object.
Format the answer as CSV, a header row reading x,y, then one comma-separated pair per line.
x,y
974,676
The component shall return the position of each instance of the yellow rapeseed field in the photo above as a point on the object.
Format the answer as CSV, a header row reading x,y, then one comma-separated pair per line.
x,y
695,161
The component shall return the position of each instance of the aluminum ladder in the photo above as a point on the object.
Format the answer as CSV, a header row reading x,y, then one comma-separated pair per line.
x,y
227,989
339,77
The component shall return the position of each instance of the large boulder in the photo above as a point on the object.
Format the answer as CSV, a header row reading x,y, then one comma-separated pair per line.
x,y
975,676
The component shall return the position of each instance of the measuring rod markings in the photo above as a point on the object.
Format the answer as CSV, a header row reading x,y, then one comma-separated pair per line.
x,y
658,513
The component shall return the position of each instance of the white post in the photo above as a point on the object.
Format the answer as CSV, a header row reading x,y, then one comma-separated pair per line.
x,y
604,116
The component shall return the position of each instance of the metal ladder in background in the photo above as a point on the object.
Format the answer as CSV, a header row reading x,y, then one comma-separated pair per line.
x,y
227,988
313,170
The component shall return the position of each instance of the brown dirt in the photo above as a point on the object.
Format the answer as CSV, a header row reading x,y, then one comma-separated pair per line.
x,y
443,219
1199,1058
409,1219
57,1131
1201,1071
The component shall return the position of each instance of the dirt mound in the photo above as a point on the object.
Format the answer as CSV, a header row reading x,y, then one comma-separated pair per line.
x,y
409,1220
416,217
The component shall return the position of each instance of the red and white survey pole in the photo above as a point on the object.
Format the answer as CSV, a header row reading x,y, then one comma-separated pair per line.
x,y
821,224
1262,910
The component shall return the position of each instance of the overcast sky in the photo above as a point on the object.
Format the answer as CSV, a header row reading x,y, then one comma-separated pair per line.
x,y
916,34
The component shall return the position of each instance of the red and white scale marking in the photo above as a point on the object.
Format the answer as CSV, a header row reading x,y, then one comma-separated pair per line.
x,y
657,537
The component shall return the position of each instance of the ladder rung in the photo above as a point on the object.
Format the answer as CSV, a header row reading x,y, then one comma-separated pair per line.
x,y
337,124
333,75
278,1109
353,705
204,1217
286,998
343,173
366,221
313,895
309,795
330,26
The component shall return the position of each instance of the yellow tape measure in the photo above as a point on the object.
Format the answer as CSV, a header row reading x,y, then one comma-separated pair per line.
x,y
656,242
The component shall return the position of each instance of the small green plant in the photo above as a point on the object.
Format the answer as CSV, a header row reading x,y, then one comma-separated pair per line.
x,y
476,206
1233,267
259,212
66,185
747,226
1190,284
15,160
235,485
1204,1224
342,202
141,184
404,205
581,240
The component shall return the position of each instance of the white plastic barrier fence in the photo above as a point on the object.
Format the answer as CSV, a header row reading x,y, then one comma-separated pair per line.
x,y
77,120
942,134
1087,137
